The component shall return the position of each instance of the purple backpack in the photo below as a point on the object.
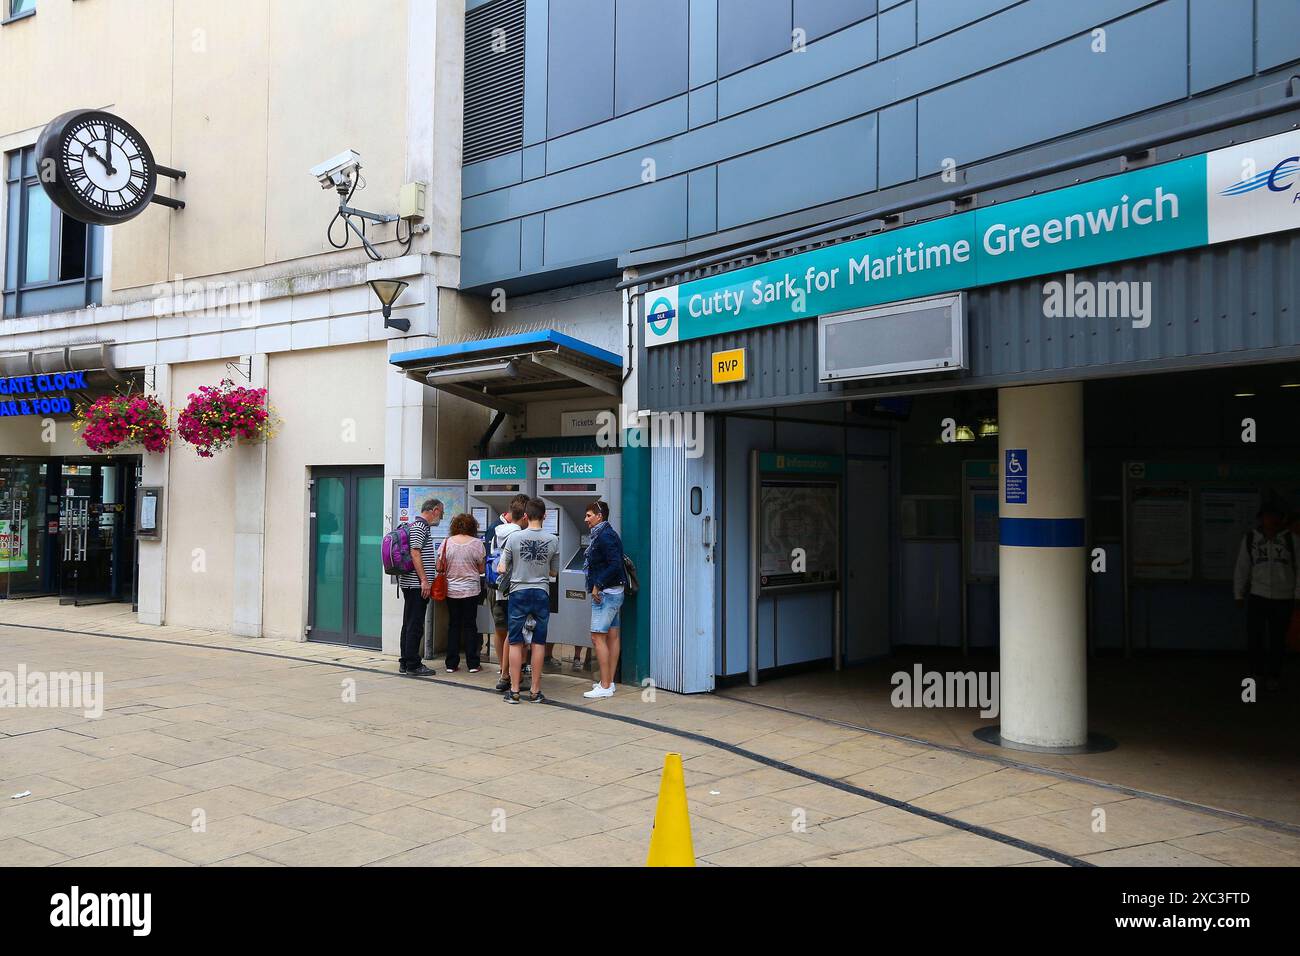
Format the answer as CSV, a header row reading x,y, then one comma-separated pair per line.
x,y
396,551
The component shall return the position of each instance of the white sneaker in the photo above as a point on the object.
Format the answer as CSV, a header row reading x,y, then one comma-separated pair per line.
x,y
598,692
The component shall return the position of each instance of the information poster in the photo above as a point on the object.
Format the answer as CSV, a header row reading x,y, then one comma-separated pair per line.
x,y
411,494
1226,515
799,516
13,545
1161,533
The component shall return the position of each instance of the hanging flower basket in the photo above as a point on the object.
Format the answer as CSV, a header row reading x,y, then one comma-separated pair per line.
x,y
117,421
216,416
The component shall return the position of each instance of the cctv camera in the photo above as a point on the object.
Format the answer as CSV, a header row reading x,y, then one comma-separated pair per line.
x,y
337,173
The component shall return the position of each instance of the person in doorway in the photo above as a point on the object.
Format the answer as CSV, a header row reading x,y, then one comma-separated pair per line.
x,y
606,581
531,558
464,558
1267,584
415,586
516,521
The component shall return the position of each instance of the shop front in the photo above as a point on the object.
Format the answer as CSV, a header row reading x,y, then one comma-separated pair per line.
x,y
67,516
950,426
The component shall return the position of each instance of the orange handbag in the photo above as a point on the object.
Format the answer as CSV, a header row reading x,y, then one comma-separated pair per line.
x,y
438,591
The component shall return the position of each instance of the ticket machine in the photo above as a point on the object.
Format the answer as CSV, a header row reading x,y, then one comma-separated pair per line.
x,y
493,482
568,485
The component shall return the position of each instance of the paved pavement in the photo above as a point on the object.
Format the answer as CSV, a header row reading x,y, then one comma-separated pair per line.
x,y
304,754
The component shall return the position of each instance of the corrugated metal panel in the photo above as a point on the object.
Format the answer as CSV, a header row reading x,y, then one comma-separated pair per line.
x,y
494,80
1212,306
681,600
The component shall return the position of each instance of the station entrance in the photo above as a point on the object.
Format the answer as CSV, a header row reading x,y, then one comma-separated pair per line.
x,y
1175,468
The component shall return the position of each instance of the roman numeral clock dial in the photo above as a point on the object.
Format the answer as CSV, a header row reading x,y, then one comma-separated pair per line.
x,y
96,167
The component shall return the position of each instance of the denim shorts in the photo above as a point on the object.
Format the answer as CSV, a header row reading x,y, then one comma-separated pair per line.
x,y
605,614
527,601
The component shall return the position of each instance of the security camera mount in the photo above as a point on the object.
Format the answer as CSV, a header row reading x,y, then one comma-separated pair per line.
x,y
347,213
342,173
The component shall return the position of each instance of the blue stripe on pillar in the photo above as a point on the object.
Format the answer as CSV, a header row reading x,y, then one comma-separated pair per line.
x,y
1041,532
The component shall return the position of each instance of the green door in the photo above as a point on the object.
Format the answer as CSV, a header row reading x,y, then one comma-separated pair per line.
x,y
347,522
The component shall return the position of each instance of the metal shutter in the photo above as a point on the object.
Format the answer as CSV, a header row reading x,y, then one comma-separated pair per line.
x,y
494,80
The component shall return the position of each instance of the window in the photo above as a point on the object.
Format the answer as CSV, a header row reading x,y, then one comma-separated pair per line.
x,y
18,8
52,262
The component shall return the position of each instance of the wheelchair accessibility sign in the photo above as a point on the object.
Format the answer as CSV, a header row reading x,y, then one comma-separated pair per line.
x,y
1015,471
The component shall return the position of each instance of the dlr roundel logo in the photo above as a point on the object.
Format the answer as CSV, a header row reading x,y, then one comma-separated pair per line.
x,y
661,315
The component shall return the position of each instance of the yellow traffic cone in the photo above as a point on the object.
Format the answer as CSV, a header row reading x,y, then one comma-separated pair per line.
x,y
670,840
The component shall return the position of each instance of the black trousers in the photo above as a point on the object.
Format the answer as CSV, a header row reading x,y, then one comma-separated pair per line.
x,y
462,631
413,607
1267,622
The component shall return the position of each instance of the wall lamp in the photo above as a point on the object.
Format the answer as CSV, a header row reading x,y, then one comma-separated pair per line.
x,y
387,291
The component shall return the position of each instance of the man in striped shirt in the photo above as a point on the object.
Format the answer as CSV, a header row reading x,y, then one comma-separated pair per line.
x,y
416,586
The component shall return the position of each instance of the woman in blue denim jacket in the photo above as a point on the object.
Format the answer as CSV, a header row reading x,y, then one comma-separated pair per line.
x,y
605,583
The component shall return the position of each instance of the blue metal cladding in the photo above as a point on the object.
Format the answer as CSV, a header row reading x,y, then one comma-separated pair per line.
x,y
1212,306
715,92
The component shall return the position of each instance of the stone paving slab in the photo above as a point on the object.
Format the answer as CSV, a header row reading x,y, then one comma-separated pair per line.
x,y
208,754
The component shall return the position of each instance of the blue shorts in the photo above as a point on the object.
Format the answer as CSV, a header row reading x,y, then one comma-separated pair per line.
x,y
605,614
523,602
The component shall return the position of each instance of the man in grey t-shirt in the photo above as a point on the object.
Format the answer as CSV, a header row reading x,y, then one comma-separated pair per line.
x,y
531,557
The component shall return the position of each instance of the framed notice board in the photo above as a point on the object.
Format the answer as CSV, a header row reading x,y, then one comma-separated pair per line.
x,y
798,521
148,513
1185,522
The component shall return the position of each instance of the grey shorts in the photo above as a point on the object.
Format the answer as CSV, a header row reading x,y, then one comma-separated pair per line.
x,y
499,618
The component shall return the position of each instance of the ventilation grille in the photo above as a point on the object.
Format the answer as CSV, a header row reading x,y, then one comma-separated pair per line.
x,y
494,80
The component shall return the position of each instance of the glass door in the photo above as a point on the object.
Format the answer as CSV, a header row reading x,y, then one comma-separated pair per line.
x,y
346,529
97,561
23,537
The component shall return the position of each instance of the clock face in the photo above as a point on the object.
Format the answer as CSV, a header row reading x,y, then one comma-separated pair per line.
x,y
96,167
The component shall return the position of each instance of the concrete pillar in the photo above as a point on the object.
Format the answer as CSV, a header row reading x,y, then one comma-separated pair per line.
x,y
151,568
250,522
1043,681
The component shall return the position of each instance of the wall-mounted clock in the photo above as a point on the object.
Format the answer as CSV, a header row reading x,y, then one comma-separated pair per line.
x,y
97,168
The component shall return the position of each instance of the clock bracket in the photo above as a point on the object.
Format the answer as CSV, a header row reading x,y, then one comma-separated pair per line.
x,y
170,173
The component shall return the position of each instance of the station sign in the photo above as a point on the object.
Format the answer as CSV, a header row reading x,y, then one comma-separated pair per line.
x,y
773,461
583,466
498,469
1245,190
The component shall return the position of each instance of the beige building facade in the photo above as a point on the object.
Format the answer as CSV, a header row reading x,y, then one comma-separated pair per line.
x,y
279,538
